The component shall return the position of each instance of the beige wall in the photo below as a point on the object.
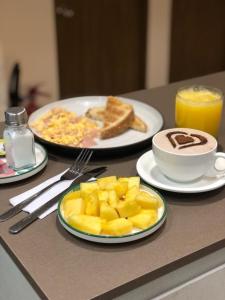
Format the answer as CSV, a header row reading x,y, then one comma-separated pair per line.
x,y
158,42
27,36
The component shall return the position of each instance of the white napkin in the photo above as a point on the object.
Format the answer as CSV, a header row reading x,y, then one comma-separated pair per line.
x,y
43,198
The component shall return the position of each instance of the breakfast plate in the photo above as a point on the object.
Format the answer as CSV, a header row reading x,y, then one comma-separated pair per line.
x,y
80,105
8,175
150,173
136,234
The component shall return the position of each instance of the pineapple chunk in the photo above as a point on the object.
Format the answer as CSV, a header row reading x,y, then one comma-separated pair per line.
x,y
73,206
121,188
103,196
147,200
134,181
142,220
107,212
113,199
117,227
128,208
152,213
132,193
123,179
85,223
72,195
92,205
107,183
111,206
88,187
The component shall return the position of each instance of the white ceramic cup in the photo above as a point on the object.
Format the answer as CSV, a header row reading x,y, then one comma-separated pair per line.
x,y
189,164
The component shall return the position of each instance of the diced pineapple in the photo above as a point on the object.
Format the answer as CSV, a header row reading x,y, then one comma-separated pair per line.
x,y
86,223
103,196
72,195
123,179
134,181
153,213
121,188
85,194
92,205
117,227
142,220
128,208
147,200
111,206
107,183
88,187
103,221
73,206
107,212
113,198
132,193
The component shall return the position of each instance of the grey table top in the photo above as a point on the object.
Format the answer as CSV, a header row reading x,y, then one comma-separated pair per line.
x,y
195,226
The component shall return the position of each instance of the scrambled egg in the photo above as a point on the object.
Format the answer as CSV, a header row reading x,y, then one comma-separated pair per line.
x,y
64,127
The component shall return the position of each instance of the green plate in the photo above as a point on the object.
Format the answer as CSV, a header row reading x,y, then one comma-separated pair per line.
x,y
136,234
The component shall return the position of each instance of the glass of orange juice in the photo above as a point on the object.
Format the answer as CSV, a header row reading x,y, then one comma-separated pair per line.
x,y
199,107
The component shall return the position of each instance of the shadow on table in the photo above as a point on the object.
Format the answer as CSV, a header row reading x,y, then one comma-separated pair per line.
x,y
194,199
108,247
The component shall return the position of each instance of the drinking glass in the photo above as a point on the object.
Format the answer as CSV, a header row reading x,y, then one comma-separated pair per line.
x,y
199,107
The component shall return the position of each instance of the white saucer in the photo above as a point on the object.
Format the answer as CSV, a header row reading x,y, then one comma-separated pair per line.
x,y
8,175
150,173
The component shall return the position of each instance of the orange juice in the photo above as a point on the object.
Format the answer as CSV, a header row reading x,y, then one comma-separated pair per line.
x,y
199,107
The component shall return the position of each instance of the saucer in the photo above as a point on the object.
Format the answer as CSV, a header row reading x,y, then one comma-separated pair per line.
x,y
150,173
8,175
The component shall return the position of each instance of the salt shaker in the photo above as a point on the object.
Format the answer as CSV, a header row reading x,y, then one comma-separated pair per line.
x,y
18,139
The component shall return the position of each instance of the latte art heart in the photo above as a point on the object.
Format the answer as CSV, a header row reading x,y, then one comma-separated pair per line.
x,y
181,139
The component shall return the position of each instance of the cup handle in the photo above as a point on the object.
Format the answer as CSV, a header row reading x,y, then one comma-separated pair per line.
x,y
218,165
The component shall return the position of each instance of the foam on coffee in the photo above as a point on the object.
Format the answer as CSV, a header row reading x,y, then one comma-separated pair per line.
x,y
184,141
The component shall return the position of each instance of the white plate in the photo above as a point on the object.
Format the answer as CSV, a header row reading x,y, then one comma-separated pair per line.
x,y
41,161
80,105
150,173
106,239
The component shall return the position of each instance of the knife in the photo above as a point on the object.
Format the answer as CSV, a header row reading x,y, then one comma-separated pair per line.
x,y
35,214
11,212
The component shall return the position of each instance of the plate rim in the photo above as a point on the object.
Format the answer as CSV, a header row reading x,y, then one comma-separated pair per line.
x,y
165,187
60,103
30,172
113,239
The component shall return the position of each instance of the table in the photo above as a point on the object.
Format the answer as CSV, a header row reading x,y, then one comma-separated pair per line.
x,y
60,266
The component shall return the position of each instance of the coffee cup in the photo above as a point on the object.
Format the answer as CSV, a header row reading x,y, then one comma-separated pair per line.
x,y
185,154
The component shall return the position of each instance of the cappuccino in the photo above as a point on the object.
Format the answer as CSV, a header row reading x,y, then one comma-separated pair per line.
x,y
184,154
185,141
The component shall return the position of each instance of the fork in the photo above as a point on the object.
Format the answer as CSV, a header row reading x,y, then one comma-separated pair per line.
x,y
74,171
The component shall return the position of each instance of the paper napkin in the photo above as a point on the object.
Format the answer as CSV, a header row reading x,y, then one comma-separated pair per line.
x,y
43,198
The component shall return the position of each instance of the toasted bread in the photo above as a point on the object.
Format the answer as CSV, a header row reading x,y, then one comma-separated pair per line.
x,y
139,125
118,117
98,114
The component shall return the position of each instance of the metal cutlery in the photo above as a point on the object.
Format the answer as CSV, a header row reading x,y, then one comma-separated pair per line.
x,y
34,216
74,171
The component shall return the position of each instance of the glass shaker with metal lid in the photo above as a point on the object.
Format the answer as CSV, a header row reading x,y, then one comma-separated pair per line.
x,y
18,139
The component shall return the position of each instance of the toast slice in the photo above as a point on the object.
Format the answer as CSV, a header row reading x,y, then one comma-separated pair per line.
x,y
139,125
98,114
118,117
